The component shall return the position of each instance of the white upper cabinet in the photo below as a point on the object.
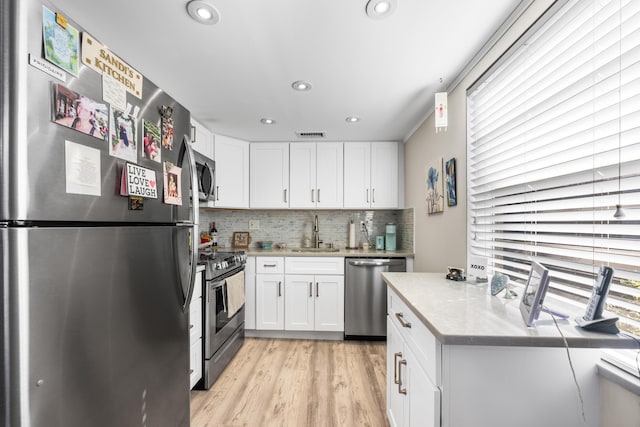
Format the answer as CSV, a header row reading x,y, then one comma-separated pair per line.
x,y
201,139
232,172
371,175
269,177
316,175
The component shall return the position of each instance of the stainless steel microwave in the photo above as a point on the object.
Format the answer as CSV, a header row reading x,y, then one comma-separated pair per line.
x,y
206,170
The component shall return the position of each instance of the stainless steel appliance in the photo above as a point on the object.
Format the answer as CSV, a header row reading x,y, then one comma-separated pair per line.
x,y
206,176
95,295
223,330
365,299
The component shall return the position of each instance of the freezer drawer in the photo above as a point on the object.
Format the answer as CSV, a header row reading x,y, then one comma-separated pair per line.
x,y
96,332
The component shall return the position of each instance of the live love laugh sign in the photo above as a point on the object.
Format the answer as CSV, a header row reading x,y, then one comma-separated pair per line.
x,y
139,181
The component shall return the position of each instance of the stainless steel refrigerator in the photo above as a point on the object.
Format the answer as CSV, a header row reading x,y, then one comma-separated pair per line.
x,y
95,290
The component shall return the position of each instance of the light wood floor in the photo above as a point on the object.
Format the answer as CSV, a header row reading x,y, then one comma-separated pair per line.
x,y
301,383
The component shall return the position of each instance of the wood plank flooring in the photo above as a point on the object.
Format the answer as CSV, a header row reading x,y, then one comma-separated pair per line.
x,y
274,382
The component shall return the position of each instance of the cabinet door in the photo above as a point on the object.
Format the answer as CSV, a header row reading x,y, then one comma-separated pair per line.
x,y
422,401
201,139
250,293
384,175
270,301
302,179
329,303
329,175
357,174
269,175
299,303
395,401
232,172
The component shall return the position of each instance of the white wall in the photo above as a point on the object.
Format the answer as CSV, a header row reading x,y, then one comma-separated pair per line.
x,y
440,239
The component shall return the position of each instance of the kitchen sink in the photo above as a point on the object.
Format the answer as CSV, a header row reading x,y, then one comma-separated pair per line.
x,y
315,250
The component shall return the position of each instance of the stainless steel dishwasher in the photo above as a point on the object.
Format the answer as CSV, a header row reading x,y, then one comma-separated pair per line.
x,y
365,299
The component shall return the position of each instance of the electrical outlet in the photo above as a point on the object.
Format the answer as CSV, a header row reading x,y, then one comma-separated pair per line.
x,y
362,226
254,224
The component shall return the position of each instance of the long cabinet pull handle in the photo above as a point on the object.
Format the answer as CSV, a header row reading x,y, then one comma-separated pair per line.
x,y
312,200
279,289
403,322
310,289
318,195
285,195
400,389
268,265
373,195
395,367
217,192
317,290
367,195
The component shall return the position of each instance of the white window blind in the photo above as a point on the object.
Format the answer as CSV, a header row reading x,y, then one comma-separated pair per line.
x,y
554,146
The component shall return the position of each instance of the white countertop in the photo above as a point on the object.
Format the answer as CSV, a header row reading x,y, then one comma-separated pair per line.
x,y
462,313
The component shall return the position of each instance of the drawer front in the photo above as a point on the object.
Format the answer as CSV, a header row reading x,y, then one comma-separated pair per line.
x,y
269,265
195,365
422,342
314,265
197,286
195,320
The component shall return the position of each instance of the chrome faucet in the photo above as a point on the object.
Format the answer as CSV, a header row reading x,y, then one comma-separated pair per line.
x,y
316,234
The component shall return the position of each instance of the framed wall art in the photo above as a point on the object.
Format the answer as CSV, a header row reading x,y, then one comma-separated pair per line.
x,y
434,187
241,239
450,179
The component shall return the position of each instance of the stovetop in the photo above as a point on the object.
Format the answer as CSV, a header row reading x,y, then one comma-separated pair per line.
x,y
221,263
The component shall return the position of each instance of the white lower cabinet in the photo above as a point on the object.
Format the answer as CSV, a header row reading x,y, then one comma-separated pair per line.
x,y
299,294
413,398
270,293
195,332
314,302
250,293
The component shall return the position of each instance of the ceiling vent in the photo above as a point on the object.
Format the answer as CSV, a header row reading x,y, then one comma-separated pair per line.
x,y
310,134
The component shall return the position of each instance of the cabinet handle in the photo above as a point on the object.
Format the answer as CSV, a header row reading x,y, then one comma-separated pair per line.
x,y
268,265
310,289
395,367
312,191
279,289
318,195
193,134
367,195
317,290
400,389
190,371
373,195
403,322
191,326
217,192
285,195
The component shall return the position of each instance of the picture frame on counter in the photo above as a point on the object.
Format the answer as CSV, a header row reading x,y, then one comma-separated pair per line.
x,y
241,239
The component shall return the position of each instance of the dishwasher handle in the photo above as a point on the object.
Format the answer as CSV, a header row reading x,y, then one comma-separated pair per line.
x,y
376,263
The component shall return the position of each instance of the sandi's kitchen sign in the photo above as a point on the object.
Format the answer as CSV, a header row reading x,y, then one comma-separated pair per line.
x,y
139,181
99,58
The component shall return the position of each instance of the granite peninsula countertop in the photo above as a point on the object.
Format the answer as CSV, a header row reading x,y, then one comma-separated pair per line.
x,y
462,313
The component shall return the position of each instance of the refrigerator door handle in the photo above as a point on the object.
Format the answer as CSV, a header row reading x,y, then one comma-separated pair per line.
x,y
194,237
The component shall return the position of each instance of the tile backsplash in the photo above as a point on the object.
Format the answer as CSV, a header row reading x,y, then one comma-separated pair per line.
x,y
290,226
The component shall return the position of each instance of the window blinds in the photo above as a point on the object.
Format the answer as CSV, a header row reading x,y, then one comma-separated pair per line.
x,y
554,146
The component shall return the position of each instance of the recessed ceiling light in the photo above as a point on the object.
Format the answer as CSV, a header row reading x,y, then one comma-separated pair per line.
x,y
203,12
378,9
266,121
352,119
301,85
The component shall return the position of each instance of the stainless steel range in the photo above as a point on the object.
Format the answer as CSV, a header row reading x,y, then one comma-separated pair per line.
x,y
223,311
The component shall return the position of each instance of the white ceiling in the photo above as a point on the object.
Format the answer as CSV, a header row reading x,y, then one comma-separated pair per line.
x,y
232,74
